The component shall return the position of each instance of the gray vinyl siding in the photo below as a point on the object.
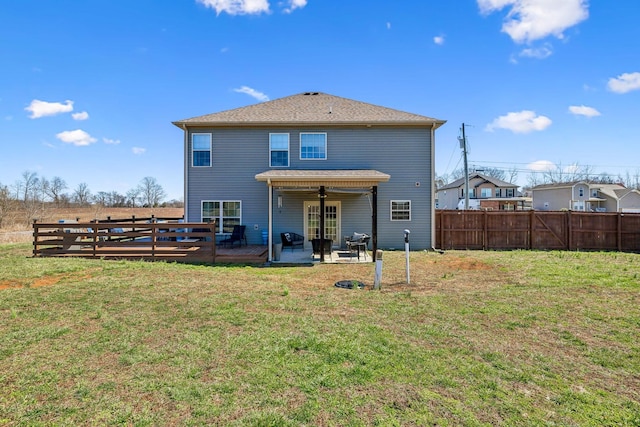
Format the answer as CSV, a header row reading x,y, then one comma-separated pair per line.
x,y
238,154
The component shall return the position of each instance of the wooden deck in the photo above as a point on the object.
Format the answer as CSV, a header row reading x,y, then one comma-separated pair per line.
x,y
162,241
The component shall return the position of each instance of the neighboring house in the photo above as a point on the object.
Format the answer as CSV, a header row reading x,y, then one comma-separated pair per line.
x,y
485,192
275,166
585,196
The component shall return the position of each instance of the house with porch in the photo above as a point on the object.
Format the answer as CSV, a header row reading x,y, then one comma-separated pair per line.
x,y
586,196
311,162
485,192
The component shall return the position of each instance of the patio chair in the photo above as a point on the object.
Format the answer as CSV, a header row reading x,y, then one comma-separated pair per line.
x,y
292,240
357,242
237,235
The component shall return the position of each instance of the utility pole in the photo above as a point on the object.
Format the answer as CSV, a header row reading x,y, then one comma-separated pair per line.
x,y
463,146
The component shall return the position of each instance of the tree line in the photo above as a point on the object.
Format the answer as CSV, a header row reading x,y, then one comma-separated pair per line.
x,y
33,194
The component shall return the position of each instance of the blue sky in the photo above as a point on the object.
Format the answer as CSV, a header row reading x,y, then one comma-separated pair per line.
x,y
89,88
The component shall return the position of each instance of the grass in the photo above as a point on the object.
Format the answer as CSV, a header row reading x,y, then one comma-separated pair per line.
x,y
478,338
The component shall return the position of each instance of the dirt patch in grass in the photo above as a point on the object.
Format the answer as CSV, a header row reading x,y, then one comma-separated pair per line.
x,y
42,281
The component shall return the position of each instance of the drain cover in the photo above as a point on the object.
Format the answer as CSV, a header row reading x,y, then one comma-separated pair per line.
x,y
350,284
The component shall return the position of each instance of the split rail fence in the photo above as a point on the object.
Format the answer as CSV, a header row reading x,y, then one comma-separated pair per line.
x,y
541,230
170,241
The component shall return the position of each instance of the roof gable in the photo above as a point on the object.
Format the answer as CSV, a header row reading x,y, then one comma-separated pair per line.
x,y
497,182
310,108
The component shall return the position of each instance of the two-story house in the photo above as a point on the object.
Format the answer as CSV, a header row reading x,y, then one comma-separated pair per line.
x,y
586,196
485,192
313,161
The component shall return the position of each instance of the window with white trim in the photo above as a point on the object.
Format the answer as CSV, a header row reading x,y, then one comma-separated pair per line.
x,y
313,146
485,193
279,149
400,210
201,149
510,192
226,214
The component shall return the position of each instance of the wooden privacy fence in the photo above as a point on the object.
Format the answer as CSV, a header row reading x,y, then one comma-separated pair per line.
x,y
170,241
566,230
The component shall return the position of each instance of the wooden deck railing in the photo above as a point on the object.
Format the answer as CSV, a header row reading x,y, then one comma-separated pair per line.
x,y
170,241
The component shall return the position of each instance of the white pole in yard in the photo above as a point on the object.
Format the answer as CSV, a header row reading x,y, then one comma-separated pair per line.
x,y
406,251
377,279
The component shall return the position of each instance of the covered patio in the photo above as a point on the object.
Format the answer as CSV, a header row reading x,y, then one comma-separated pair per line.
x,y
323,181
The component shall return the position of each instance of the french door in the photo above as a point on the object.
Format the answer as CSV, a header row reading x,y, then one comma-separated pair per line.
x,y
331,221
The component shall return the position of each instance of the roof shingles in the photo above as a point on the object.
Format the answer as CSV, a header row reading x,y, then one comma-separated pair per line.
x,y
310,108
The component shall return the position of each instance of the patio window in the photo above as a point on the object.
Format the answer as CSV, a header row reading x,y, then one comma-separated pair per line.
x,y
226,214
313,146
279,149
201,149
401,210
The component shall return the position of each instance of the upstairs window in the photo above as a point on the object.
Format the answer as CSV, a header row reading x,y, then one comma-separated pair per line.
x,y
510,192
485,193
279,149
401,210
201,149
313,146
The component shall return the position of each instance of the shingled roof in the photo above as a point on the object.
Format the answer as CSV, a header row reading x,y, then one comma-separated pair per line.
x,y
310,108
495,181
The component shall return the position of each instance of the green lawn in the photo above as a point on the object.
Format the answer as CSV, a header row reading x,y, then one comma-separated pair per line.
x,y
478,338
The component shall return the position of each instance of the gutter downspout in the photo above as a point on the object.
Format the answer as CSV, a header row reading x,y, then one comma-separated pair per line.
x,y
433,189
186,175
270,226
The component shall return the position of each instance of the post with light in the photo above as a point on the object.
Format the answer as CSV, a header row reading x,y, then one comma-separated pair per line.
x,y
406,251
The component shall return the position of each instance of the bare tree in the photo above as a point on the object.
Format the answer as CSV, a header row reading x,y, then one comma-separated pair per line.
x,y
6,203
151,192
132,197
82,195
54,189
30,188
27,188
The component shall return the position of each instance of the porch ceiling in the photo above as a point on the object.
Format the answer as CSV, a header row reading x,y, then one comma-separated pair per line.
x,y
329,178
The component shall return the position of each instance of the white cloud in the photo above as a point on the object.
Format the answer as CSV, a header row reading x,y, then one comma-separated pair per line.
x,y
537,53
439,40
138,150
80,116
624,83
111,141
581,110
521,122
251,7
76,137
237,7
292,5
542,166
253,93
42,108
529,20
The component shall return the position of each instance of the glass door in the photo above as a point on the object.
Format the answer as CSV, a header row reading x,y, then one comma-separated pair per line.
x,y
331,221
